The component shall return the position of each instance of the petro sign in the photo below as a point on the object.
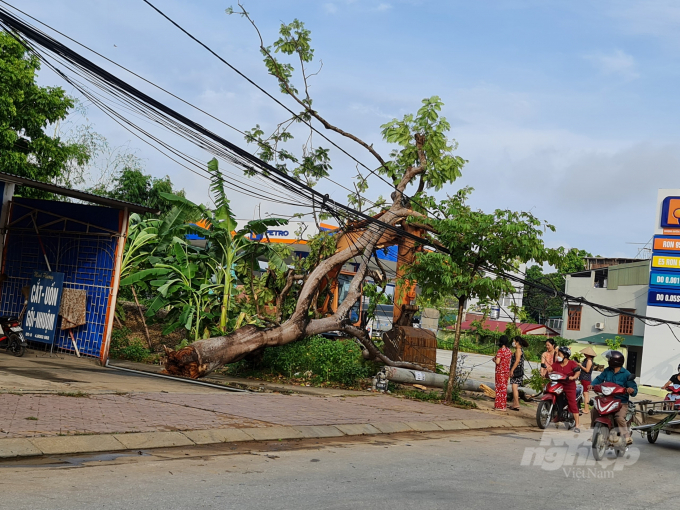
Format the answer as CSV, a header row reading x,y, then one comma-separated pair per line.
x,y
670,212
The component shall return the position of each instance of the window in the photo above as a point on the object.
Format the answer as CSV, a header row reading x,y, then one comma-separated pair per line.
x,y
574,318
626,323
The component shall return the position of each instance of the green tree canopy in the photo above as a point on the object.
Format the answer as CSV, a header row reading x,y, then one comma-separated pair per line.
x,y
541,305
26,112
479,245
132,185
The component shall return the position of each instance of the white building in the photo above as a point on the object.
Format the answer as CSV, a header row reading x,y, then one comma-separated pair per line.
x,y
622,286
501,310
650,288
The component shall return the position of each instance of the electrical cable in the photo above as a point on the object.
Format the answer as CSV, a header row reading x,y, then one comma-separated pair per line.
x,y
252,164
277,101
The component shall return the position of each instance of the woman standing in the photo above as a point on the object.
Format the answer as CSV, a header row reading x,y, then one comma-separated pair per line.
x,y
548,357
586,375
517,370
563,365
502,361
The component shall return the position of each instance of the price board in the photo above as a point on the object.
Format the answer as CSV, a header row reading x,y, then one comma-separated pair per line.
x,y
661,297
665,262
664,279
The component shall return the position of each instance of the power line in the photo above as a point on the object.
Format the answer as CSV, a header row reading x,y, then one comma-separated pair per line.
x,y
251,163
277,101
159,88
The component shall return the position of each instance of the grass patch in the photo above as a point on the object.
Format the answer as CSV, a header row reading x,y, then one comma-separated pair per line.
x,y
32,418
435,397
125,346
74,394
314,361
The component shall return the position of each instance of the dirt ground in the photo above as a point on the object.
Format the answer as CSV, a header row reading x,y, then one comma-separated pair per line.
x,y
133,321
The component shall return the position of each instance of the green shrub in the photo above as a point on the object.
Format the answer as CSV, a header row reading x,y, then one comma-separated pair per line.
x,y
316,358
123,347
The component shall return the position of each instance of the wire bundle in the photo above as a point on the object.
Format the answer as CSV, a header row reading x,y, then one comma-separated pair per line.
x,y
122,102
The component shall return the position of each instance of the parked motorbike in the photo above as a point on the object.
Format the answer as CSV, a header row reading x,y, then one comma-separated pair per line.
x,y
553,407
672,398
605,430
12,333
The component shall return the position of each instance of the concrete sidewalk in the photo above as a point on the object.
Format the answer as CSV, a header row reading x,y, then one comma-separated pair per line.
x,y
54,424
62,406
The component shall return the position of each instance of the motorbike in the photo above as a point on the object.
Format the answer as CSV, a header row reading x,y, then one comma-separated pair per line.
x,y
553,406
672,398
605,430
12,333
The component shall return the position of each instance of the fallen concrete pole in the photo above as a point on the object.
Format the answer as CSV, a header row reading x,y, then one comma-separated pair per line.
x,y
408,376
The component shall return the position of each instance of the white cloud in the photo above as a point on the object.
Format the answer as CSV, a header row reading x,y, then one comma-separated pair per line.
x,y
617,63
330,8
383,7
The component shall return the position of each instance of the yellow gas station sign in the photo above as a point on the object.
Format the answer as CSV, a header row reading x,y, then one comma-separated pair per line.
x,y
666,262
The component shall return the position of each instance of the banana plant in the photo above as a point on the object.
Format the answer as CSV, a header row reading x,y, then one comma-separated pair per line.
x,y
198,285
228,247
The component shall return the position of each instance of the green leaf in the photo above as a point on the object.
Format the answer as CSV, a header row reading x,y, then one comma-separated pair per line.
x,y
143,275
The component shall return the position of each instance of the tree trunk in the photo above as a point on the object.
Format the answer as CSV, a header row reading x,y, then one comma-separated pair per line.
x,y
454,352
141,315
203,356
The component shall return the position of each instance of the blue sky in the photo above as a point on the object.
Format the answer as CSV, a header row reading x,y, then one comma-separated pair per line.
x,y
567,109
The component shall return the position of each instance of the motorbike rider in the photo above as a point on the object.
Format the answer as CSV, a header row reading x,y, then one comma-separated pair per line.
x,y
675,379
563,365
616,374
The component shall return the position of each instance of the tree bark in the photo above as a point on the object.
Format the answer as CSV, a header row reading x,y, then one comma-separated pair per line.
x,y
454,352
203,356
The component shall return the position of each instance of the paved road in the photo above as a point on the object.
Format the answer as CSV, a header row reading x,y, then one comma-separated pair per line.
x,y
481,365
477,470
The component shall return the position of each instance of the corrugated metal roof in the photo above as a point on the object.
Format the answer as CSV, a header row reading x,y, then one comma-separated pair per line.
x,y
73,193
628,340
636,273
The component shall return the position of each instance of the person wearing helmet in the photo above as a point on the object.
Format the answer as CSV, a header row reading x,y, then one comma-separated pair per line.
x,y
616,374
675,379
563,365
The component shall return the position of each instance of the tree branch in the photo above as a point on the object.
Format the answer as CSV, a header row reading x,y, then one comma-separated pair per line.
x,y
284,83
412,172
291,278
373,351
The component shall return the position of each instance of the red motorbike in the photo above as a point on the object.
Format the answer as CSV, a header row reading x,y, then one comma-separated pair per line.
x,y
605,431
553,406
673,398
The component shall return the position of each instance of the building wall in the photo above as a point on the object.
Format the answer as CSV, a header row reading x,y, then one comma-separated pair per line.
x,y
626,296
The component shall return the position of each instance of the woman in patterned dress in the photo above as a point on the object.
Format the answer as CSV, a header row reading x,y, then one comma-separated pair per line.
x,y
502,361
518,367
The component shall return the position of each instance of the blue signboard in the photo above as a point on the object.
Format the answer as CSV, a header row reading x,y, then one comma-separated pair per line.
x,y
664,279
44,299
661,297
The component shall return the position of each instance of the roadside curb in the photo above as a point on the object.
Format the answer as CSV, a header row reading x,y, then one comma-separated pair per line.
x,y
61,445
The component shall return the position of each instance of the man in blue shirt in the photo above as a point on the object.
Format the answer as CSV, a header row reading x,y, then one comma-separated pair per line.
x,y
618,375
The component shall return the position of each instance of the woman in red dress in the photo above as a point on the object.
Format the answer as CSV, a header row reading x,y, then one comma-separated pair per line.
x,y
563,365
502,361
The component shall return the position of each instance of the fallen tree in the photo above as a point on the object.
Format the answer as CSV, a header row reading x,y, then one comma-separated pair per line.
x,y
424,160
